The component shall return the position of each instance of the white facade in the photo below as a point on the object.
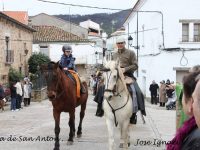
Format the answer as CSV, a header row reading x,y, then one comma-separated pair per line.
x,y
84,53
158,53
90,24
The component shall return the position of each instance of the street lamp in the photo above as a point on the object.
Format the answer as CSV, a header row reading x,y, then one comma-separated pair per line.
x,y
130,42
96,55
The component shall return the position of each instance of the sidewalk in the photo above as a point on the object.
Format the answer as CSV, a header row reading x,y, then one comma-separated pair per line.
x,y
37,121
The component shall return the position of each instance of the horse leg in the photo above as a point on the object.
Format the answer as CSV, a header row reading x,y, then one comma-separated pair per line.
x,y
72,127
56,115
110,126
124,135
82,114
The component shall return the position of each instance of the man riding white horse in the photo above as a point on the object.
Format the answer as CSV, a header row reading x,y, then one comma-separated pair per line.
x,y
128,64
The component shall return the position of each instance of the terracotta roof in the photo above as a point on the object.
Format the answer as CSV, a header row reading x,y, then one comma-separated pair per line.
x,y
54,34
15,21
21,16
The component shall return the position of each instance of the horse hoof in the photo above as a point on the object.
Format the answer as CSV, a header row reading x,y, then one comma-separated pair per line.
x,y
79,135
69,143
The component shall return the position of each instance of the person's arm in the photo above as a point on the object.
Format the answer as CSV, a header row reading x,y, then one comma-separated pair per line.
x,y
133,63
72,64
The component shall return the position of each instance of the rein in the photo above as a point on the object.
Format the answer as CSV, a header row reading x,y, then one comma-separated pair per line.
x,y
118,94
114,110
57,84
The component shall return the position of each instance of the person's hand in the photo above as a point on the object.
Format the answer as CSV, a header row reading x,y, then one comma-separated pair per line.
x,y
65,68
123,70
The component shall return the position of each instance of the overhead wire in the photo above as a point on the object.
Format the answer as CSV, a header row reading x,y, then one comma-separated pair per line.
x,y
75,5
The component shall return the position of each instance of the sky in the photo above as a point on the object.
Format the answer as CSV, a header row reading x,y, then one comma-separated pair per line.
x,y
35,7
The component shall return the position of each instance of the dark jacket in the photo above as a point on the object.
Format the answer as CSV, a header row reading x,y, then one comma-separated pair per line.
x,y
192,141
100,94
154,89
13,91
68,61
2,95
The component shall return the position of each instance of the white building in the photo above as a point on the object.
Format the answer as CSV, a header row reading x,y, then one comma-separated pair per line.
x,y
95,34
168,39
50,39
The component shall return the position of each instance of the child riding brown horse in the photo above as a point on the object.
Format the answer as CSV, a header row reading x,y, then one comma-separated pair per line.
x,y
61,91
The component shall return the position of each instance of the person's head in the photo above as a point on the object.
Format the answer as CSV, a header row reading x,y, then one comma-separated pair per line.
x,y
189,83
153,82
67,50
162,82
195,68
196,103
168,81
120,43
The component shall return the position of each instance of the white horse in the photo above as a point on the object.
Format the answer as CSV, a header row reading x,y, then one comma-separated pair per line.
x,y
117,104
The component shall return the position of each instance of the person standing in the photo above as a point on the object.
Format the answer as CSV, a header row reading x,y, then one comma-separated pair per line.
x,y
2,94
19,95
162,94
26,93
154,92
99,97
13,96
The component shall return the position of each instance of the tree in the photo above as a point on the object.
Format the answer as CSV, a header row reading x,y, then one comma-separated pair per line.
x,y
14,75
36,60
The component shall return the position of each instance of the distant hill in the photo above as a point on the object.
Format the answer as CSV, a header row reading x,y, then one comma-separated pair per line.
x,y
108,22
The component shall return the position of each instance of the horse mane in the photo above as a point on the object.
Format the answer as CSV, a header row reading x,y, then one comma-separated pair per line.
x,y
111,65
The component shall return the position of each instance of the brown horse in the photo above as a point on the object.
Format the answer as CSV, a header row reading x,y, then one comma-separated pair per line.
x,y
61,91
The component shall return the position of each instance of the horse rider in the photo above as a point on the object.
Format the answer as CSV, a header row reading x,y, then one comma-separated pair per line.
x,y
128,64
67,63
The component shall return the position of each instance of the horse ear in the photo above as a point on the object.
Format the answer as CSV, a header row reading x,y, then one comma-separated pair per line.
x,y
104,61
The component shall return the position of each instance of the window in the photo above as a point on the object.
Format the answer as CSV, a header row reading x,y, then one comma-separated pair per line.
x,y
44,50
9,53
197,32
185,32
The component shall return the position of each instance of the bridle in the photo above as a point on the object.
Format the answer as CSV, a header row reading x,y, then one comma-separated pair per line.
x,y
58,82
114,90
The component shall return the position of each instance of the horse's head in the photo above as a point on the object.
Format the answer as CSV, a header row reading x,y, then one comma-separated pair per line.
x,y
111,76
53,78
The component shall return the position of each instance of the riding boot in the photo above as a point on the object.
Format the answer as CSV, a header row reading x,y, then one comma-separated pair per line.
x,y
133,119
100,111
83,90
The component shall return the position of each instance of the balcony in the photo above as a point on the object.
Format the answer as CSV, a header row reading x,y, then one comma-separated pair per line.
x,y
9,55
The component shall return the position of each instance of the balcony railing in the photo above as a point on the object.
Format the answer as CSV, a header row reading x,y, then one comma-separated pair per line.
x,y
195,39
9,56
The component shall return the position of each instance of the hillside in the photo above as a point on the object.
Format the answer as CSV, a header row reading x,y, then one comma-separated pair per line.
x,y
108,22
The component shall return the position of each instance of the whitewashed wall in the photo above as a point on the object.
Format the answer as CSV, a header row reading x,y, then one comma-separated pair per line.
x,y
161,66
84,53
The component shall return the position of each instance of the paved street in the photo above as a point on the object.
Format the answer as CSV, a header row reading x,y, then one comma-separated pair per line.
x,y
37,122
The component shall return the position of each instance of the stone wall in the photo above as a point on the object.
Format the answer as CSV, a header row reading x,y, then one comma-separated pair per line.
x,y
20,39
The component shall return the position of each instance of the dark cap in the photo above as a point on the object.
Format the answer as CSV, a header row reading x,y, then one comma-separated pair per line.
x,y
66,48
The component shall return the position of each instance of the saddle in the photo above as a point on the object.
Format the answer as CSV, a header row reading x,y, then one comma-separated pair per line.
x,y
76,80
